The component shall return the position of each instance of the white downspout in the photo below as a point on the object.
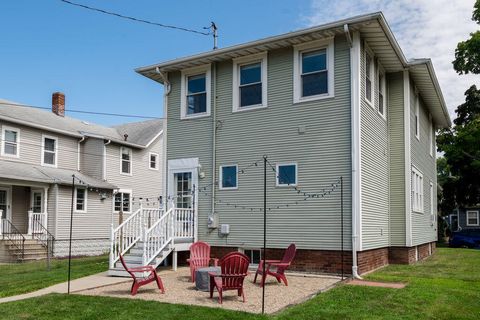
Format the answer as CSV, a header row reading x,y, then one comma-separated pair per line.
x,y
104,169
167,88
214,134
356,146
78,152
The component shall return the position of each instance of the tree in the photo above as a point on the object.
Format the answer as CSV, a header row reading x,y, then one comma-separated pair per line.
x,y
467,54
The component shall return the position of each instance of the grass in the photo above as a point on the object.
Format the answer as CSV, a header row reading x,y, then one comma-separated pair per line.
x,y
30,276
446,286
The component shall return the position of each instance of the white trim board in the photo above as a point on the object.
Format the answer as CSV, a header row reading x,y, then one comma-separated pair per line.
x,y
408,163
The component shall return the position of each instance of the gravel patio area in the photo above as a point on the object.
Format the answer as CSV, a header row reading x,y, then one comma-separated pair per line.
x,y
179,289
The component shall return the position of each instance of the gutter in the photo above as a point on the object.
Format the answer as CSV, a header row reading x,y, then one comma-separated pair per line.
x,y
78,152
104,169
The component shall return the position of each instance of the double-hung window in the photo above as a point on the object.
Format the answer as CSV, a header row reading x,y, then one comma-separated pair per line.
x,y
313,70
153,161
417,117
472,218
10,142
49,151
195,99
382,88
431,135
369,72
417,191
286,174
228,177
80,199
250,82
126,161
122,201
432,203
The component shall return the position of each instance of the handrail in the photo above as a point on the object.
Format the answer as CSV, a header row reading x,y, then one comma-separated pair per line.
x,y
12,234
158,236
45,237
128,219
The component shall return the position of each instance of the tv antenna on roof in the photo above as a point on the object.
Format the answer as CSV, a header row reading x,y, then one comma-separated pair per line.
x,y
214,31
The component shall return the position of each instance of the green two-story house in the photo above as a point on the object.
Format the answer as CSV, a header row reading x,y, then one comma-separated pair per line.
x,y
335,100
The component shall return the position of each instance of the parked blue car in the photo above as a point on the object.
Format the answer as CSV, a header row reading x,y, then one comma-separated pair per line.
x,y
467,238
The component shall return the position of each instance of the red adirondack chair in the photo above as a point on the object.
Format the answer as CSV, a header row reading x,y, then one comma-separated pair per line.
x,y
200,257
234,266
139,281
280,265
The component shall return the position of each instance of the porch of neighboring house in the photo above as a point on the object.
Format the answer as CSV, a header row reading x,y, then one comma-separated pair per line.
x,y
24,220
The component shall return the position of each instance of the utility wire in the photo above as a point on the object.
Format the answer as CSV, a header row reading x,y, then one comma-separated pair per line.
x,y
135,19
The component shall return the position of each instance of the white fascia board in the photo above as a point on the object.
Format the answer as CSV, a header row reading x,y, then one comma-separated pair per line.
x,y
408,160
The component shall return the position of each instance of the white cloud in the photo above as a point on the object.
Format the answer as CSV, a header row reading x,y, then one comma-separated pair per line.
x,y
423,28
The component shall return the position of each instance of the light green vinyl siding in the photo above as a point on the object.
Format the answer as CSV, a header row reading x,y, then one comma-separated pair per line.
x,y
374,165
423,230
322,153
397,159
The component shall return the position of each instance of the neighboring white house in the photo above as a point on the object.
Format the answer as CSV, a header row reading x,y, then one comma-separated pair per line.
x,y
116,168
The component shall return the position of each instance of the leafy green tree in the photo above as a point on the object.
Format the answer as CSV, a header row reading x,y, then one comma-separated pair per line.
x,y
467,54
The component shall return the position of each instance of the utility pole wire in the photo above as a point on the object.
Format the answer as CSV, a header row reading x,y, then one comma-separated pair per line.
x,y
135,19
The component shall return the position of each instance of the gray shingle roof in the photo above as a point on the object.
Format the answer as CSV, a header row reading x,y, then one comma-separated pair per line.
x,y
28,172
139,133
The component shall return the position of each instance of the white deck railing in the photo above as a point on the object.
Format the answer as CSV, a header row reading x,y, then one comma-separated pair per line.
x,y
36,222
184,221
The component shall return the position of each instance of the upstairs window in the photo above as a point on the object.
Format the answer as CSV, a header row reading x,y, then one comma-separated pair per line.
x,y
313,70
382,86
49,151
250,82
125,161
10,142
196,92
122,201
80,200
286,174
369,68
153,161
417,191
228,177
472,218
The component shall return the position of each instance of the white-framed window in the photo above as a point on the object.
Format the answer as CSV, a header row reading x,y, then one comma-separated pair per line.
x,y
417,117
125,161
122,200
250,82
80,199
431,135
382,92
228,177
195,92
417,190
472,218
10,141
287,174
153,161
49,151
313,70
369,76
432,203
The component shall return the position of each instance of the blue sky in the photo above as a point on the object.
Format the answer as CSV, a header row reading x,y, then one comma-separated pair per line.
x,y
49,46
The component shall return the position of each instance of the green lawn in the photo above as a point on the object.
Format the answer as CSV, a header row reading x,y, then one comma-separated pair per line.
x,y
446,286
30,276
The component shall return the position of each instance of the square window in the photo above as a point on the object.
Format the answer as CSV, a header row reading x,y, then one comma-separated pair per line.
x,y
229,177
287,174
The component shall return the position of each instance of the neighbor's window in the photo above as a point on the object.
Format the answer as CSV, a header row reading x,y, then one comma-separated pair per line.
x,y
126,160
368,76
49,156
417,191
229,177
10,141
153,161
287,174
472,218
80,199
313,70
382,102
122,201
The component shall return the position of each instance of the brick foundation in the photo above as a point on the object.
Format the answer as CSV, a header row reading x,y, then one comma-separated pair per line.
x,y
372,259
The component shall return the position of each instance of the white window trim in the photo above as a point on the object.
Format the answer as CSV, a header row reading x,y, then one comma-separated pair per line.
x,y
431,134
220,176
157,162
277,182
131,162
421,193
43,151
372,75
417,114
327,44
432,202
183,98
476,212
239,62
17,130
129,191
383,86
85,204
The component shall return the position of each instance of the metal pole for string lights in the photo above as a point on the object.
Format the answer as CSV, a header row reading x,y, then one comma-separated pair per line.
x,y
264,229
70,239
341,217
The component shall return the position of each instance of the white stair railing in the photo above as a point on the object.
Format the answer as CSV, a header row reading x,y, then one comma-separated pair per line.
x,y
36,221
184,223
158,236
127,234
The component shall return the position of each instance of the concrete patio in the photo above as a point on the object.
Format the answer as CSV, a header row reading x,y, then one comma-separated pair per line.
x,y
179,289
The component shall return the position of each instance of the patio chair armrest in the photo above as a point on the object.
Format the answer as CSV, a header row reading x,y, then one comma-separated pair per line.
x,y
280,264
141,269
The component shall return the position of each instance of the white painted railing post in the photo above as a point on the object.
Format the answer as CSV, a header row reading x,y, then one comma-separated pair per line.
x,y
145,243
1,222
30,222
112,240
